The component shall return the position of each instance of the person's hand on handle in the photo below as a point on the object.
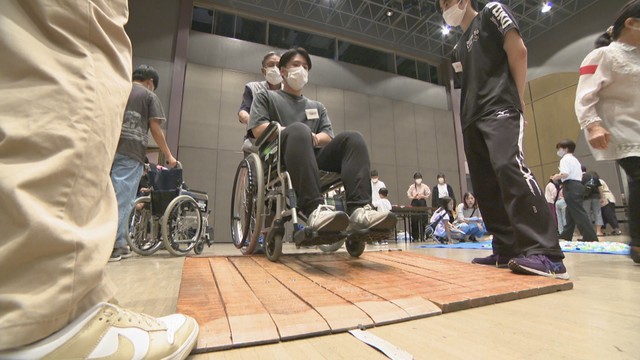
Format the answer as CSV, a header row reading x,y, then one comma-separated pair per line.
x,y
172,162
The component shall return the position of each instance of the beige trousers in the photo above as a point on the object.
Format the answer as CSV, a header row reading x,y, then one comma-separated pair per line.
x,y
65,70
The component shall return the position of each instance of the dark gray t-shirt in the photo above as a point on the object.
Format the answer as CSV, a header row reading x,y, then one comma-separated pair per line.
x,y
143,105
287,109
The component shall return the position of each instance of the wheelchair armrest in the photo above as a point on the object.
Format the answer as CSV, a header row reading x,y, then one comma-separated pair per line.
x,y
268,133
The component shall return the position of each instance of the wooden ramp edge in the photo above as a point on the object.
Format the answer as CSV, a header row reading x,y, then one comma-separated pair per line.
x,y
248,300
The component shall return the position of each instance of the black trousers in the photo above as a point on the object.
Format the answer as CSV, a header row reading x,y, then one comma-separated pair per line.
x,y
609,216
346,154
631,166
575,215
418,222
512,204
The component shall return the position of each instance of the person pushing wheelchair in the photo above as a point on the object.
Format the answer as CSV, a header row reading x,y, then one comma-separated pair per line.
x,y
308,145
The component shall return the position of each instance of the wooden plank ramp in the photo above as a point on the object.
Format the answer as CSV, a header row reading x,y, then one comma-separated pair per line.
x,y
242,301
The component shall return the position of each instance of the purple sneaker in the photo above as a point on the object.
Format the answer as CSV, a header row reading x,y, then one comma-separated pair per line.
x,y
500,261
539,264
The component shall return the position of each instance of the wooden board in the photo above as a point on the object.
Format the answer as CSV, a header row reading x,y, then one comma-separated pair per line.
x,y
241,301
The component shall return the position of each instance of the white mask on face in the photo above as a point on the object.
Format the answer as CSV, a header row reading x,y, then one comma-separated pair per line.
x,y
273,75
561,152
375,181
297,77
418,181
454,15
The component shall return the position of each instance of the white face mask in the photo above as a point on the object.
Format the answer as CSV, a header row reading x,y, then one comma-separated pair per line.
x,y
297,77
418,181
454,15
561,152
273,75
375,181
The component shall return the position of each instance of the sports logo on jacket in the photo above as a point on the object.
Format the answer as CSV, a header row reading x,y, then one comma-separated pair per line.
x,y
500,17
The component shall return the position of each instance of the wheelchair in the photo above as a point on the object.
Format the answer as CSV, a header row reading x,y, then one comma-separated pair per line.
x,y
172,217
263,200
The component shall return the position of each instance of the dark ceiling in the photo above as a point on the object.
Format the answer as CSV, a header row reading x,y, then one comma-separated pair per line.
x,y
410,27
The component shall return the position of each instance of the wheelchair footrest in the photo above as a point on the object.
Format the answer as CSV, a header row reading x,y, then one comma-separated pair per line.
x,y
309,237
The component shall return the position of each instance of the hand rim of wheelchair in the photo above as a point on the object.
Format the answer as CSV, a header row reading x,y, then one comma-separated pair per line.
x,y
246,224
172,245
146,211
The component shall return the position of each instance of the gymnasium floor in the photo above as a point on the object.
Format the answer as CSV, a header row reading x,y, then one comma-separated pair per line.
x,y
598,319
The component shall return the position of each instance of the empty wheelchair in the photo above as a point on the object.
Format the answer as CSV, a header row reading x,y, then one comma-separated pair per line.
x,y
263,200
171,217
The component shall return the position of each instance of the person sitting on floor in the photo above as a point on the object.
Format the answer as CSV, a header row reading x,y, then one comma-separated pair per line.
x,y
445,231
469,219
308,145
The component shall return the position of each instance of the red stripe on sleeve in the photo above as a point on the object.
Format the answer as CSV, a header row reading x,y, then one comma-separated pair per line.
x,y
588,70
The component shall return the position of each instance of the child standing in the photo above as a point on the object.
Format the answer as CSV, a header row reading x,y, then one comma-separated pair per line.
x,y
491,62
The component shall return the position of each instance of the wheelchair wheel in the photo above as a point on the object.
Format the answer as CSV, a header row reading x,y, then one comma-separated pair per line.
x,y
273,241
181,225
355,248
332,247
140,234
247,203
199,247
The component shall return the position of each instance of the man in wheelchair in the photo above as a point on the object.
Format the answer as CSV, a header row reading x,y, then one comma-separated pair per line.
x,y
308,145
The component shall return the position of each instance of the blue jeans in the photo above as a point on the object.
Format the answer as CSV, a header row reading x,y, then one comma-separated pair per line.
x,y
472,229
125,176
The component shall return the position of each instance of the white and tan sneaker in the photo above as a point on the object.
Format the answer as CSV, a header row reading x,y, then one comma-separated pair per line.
x,y
325,219
366,218
107,331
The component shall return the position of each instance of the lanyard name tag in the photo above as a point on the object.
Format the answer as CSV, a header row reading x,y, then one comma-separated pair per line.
x,y
457,66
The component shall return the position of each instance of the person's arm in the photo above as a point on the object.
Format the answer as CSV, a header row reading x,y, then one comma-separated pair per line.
x,y
245,106
594,75
325,129
410,194
158,136
460,213
517,58
243,117
427,192
259,115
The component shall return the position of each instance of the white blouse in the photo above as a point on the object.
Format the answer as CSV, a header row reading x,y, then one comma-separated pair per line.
x,y
609,92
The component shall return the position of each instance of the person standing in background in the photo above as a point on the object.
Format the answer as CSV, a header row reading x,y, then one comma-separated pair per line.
x,y
607,108
143,114
440,190
418,193
608,208
573,191
376,185
551,192
591,202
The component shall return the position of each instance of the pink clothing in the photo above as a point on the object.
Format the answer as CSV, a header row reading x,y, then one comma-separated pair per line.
x,y
422,190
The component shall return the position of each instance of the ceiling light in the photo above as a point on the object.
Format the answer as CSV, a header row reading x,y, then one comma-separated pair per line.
x,y
446,29
389,13
546,7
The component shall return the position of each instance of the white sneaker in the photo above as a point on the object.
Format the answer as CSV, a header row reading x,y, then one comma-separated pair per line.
x,y
326,219
108,331
366,218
